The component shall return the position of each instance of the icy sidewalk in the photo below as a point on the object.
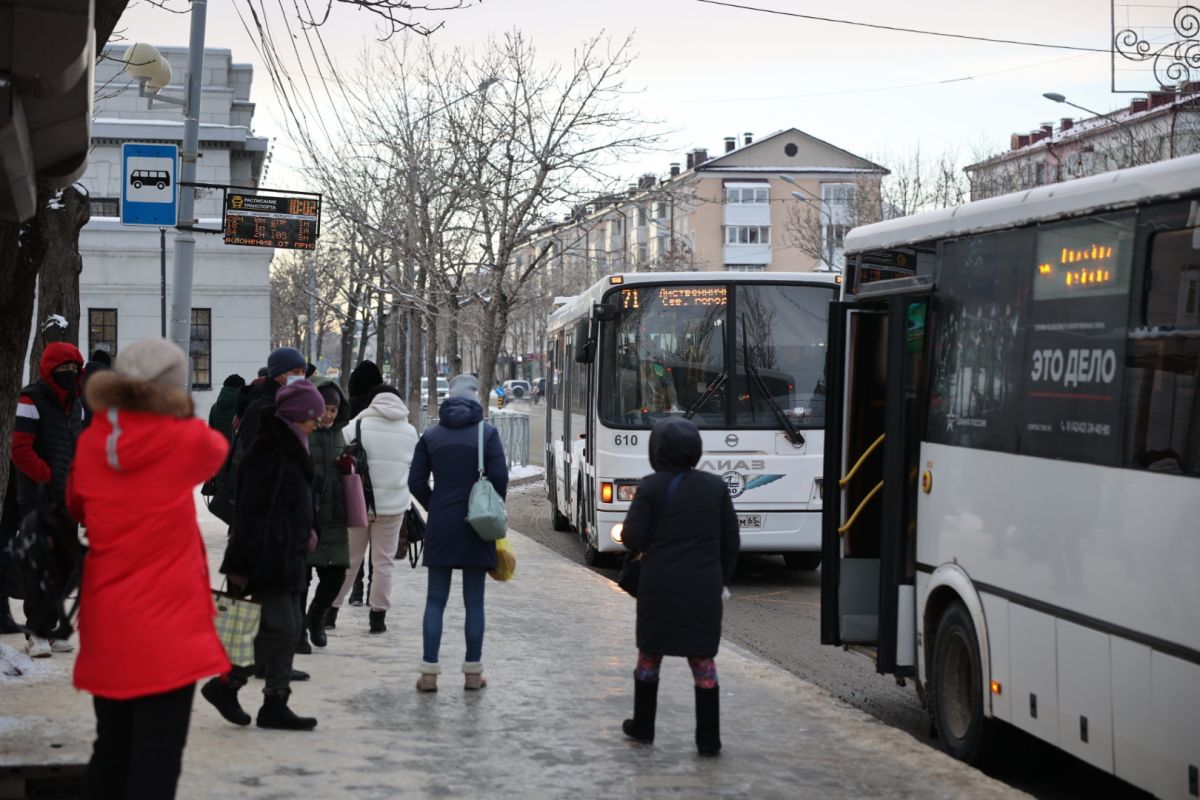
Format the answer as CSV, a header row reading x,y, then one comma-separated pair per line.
x,y
559,657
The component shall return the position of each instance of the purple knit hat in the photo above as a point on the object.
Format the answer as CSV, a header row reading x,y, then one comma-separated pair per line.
x,y
298,402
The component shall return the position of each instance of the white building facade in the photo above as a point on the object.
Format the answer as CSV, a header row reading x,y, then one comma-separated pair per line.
x,y
120,286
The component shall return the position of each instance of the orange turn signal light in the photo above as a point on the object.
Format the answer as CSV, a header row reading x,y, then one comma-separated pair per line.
x,y
997,688
606,492
616,279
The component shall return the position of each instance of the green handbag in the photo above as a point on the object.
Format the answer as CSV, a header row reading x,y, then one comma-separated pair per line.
x,y
485,508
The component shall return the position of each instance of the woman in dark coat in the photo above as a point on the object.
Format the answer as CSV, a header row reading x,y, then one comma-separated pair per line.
x,y
450,451
331,558
684,523
272,533
223,411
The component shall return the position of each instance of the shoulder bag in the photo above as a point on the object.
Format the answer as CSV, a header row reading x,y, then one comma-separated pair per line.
x,y
631,567
485,508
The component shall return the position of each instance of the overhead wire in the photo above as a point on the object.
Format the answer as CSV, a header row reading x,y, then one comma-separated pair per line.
x,y
898,29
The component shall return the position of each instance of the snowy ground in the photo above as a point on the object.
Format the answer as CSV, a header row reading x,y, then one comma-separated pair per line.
x,y
519,471
16,667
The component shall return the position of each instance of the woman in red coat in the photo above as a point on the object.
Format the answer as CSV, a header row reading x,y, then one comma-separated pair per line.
x,y
146,632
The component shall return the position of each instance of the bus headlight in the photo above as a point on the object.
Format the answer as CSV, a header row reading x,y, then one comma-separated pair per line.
x,y
618,532
626,492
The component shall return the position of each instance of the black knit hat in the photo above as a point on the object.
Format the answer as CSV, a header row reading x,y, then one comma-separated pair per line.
x,y
234,381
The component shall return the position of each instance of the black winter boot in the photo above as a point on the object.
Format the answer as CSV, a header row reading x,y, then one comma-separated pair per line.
x,y
330,618
276,714
708,720
222,692
316,626
377,623
645,708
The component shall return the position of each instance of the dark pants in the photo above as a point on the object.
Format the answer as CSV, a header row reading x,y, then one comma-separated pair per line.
x,y
275,645
139,746
329,581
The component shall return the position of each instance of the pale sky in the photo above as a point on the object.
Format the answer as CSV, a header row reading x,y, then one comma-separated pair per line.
x,y
709,72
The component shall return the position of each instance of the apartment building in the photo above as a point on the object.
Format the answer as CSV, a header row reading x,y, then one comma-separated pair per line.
x,y
781,203
1160,126
120,292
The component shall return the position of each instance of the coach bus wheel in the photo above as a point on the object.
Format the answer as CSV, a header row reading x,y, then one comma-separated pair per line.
x,y
957,686
558,520
805,561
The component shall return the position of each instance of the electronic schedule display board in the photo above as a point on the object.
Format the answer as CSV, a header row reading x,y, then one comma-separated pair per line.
x,y
289,222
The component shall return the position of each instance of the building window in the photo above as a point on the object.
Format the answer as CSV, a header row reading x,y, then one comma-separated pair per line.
x,y
201,348
746,267
747,195
105,207
747,234
639,217
102,330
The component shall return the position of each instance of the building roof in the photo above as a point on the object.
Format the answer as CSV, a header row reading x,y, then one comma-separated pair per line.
x,y
1105,192
715,163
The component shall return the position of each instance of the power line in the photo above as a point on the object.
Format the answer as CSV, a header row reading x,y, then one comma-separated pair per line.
x,y
896,29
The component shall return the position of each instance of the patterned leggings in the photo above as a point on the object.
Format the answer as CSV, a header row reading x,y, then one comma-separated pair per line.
x,y
704,670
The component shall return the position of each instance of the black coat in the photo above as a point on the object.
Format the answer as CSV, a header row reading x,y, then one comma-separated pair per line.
x,y
690,543
273,517
220,416
261,395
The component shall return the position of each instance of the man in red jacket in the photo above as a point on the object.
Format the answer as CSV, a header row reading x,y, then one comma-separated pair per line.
x,y
49,419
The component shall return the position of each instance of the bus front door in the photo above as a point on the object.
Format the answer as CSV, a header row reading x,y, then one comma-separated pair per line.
x,y
877,347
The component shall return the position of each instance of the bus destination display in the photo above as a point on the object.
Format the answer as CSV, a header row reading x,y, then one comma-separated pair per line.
x,y
260,221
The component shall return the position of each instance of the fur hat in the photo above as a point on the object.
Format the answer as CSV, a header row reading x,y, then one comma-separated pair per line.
x,y
154,361
284,359
299,402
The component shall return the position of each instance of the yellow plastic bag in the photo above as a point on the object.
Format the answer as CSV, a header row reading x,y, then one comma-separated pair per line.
x,y
506,561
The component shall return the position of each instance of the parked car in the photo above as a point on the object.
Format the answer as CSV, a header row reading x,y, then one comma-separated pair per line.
x,y
539,390
516,390
443,389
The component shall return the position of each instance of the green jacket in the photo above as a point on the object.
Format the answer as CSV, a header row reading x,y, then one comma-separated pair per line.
x,y
325,446
220,416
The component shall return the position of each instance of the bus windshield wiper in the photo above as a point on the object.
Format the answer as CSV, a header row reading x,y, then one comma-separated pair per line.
x,y
790,430
709,391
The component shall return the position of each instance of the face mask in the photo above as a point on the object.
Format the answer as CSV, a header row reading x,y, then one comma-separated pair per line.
x,y
65,380
293,378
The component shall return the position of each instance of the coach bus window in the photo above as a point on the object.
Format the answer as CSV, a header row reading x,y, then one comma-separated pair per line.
x,y
1163,360
1075,346
979,340
668,349
780,355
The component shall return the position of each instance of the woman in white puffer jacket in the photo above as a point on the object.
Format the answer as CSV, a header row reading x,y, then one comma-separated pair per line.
x,y
389,441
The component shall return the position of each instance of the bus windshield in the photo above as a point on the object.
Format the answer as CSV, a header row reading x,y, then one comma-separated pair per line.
x,y
678,350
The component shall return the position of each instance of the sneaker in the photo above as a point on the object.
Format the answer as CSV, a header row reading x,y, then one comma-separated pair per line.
x,y
61,646
38,648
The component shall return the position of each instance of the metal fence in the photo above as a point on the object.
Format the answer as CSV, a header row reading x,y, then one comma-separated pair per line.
x,y
512,426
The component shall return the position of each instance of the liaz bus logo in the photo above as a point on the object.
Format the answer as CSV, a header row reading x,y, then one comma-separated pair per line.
x,y
736,481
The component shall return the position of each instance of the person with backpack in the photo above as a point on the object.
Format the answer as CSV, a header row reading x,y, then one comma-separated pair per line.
x,y
331,558
364,379
99,362
387,440
450,453
683,523
146,632
49,421
271,536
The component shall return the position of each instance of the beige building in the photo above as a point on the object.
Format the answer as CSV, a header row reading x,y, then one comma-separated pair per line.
x,y
734,210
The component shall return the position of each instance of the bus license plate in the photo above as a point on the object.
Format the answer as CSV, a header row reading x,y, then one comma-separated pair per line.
x,y
750,520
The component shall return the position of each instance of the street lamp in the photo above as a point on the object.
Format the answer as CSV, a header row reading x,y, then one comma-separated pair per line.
x,y
1059,98
807,196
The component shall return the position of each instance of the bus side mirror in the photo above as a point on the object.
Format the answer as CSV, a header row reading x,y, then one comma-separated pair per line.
x,y
604,312
585,347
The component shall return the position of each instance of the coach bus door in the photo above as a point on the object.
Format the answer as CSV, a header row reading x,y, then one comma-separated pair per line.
x,y
877,392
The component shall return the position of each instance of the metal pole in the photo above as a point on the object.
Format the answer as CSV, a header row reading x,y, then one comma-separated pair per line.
x,y
312,283
162,278
185,240
409,277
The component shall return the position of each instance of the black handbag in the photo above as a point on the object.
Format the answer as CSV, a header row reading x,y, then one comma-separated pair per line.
x,y
414,542
220,490
631,566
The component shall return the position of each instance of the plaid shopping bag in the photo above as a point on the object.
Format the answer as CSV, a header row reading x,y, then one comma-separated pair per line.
x,y
237,625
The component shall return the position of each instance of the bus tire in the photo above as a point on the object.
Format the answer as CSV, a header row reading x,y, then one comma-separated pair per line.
x,y
804,561
558,520
956,687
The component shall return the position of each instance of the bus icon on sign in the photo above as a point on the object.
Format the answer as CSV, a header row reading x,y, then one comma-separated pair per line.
x,y
158,178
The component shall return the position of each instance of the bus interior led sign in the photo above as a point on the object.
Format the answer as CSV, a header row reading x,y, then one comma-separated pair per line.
x,y
1083,266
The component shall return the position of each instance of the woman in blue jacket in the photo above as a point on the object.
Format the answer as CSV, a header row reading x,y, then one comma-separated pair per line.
x,y
450,452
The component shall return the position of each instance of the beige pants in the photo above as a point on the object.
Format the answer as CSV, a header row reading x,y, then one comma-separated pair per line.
x,y
384,536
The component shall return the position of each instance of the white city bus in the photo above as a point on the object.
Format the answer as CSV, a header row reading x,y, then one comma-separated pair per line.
x,y
1012,475
740,354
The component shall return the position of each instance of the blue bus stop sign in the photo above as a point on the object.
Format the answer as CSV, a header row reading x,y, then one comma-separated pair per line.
x,y
149,194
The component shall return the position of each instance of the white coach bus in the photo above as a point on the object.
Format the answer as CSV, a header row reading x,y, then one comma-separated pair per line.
x,y
1012,475
740,354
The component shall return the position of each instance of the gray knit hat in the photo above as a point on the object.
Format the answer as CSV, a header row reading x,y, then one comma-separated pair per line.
x,y
465,386
154,361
